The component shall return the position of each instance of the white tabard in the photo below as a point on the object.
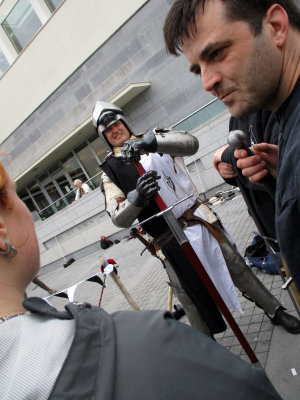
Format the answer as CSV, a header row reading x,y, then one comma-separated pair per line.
x,y
175,184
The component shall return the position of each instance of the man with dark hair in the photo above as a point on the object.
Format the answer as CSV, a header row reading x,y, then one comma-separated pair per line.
x,y
248,56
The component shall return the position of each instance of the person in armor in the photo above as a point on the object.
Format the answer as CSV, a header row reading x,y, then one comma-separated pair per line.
x,y
129,197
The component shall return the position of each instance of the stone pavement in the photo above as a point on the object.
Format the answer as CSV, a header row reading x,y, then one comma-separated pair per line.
x,y
146,280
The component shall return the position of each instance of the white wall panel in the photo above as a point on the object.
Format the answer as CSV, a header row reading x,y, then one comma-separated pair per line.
x,y
74,32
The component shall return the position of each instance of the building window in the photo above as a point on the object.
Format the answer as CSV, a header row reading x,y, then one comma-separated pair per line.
x,y
55,195
21,24
4,64
53,4
38,195
99,146
87,159
25,197
71,165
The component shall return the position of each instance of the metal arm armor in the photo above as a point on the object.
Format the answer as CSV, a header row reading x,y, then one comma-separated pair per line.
x,y
175,143
125,216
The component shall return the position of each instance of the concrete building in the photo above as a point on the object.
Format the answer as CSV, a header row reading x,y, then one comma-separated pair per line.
x,y
57,57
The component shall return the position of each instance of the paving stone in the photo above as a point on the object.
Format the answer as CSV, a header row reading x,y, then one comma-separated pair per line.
x,y
236,349
277,284
249,304
252,337
227,341
262,357
245,321
266,326
228,332
248,312
276,292
254,328
265,335
262,346
256,318
257,311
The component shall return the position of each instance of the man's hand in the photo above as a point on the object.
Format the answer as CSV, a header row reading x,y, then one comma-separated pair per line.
x,y
257,167
133,148
146,188
226,170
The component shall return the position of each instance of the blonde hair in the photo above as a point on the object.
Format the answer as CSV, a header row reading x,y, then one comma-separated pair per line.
x,y
3,182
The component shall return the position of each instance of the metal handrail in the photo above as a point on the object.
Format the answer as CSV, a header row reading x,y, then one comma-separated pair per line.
x,y
195,112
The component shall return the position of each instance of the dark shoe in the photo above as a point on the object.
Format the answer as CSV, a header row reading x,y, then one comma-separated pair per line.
x,y
69,262
289,322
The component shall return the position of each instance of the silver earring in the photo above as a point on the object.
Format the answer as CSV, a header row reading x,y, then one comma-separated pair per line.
x,y
10,249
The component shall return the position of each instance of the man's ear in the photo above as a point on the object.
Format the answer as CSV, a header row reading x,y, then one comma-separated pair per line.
x,y
3,235
277,22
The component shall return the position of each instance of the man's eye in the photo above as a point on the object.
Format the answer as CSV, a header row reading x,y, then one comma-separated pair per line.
x,y
195,69
198,71
216,53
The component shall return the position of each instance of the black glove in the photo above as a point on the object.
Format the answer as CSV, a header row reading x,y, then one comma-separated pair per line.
x,y
146,188
133,148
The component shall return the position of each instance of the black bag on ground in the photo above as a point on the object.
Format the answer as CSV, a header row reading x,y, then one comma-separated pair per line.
x,y
258,256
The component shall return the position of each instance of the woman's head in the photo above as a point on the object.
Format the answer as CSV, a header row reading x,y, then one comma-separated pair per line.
x,y
16,228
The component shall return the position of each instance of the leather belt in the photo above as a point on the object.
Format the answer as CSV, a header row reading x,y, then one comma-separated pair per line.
x,y
189,219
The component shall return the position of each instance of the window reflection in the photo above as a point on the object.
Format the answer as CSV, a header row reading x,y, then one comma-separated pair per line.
x,y
71,165
99,146
63,183
53,4
4,64
87,159
38,195
21,24
24,196
55,196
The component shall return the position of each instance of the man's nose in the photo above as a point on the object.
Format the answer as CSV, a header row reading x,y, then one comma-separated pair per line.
x,y
114,128
210,78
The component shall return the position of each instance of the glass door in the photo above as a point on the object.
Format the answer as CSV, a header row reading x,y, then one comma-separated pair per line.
x,y
54,192
66,186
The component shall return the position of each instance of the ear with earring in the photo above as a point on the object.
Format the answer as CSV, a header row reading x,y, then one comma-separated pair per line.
x,y
6,249
10,252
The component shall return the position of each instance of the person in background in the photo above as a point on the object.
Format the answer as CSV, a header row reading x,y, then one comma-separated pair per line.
x,y
82,188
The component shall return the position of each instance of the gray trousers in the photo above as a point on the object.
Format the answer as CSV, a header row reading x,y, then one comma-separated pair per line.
x,y
245,280
193,315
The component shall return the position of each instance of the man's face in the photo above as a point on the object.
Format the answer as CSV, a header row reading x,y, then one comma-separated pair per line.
x,y
240,69
117,134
